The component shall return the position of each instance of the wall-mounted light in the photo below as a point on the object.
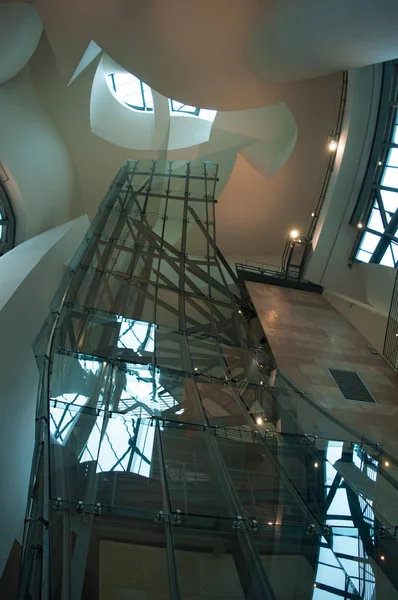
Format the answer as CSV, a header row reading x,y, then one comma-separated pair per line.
x,y
332,144
386,463
259,421
294,234
312,214
359,225
316,464
379,163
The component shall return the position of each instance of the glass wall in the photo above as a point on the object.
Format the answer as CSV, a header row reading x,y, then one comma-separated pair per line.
x,y
170,462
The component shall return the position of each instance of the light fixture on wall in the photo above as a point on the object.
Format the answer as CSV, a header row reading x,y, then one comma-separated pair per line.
x,y
294,234
359,225
332,140
259,421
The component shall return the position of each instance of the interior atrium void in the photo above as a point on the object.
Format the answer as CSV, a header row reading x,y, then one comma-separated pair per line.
x,y
198,300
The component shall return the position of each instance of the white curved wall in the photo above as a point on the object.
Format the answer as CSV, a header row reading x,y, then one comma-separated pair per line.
x,y
36,159
114,121
20,31
23,310
139,130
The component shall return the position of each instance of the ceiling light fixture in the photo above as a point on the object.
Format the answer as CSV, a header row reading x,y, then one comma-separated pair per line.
x,y
359,225
294,233
316,464
379,163
312,214
259,421
382,557
386,463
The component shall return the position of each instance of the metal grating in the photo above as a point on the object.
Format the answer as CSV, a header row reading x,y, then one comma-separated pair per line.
x,y
351,385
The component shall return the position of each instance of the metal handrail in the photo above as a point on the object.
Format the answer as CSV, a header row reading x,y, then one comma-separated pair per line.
x,y
332,158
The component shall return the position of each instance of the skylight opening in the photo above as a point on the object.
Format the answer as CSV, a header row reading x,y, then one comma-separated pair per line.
x,y
131,91
186,109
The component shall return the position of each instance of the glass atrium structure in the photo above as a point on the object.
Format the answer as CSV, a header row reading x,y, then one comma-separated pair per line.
x,y
172,458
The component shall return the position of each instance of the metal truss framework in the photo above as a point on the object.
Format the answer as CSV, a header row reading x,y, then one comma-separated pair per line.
x,y
162,424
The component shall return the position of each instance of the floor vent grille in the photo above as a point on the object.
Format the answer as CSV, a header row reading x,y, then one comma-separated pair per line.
x,y
351,385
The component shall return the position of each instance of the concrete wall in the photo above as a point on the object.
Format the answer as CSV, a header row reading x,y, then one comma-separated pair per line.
x,y
29,277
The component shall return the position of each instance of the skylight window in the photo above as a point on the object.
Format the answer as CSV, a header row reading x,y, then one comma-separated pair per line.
x,y
186,109
179,107
131,91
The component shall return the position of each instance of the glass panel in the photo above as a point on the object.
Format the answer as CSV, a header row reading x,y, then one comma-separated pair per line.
x,y
375,222
392,159
131,91
390,177
195,484
388,260
207,565
369,242
363,256
390,200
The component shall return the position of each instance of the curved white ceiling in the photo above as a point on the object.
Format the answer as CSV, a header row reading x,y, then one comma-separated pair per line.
x,y
20,31
265,136
224,54
299,40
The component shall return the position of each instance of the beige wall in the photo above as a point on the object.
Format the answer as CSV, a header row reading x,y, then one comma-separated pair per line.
x,y
308,336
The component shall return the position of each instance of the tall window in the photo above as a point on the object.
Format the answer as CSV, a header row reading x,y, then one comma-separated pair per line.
x,y
378,241
132,91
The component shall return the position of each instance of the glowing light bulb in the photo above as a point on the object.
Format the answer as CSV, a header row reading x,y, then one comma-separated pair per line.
x,y
312,214
316,464
259,421
294,233
270,523
386,463
379,163
359,225
332,145
382,557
